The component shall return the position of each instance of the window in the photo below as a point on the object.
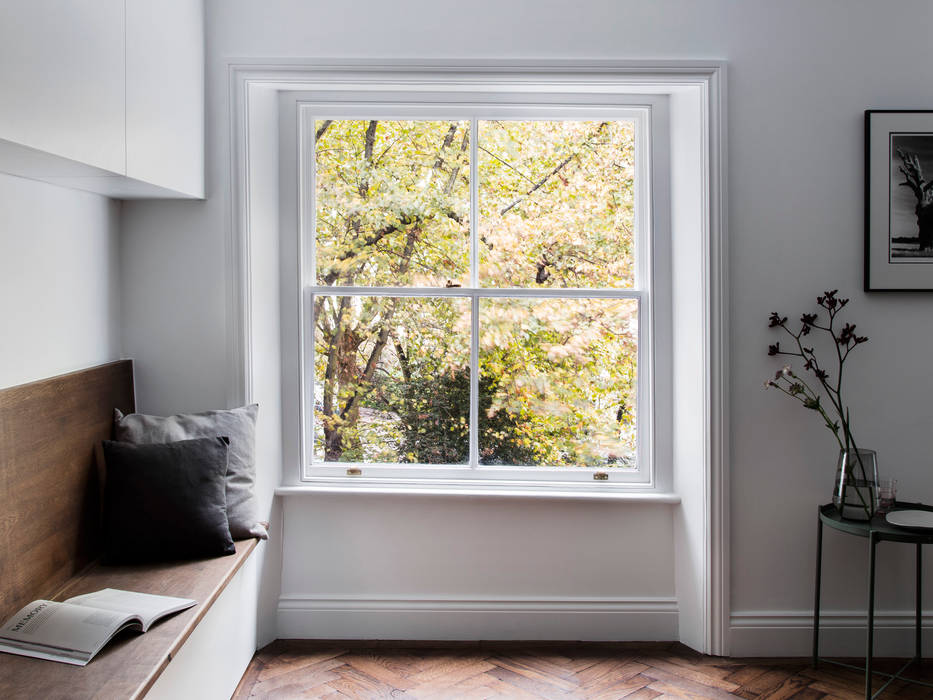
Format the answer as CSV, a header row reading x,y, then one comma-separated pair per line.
x,y
477,290
681,281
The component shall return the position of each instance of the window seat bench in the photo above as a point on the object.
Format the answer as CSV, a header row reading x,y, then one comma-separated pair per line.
x,y
131,665
51,488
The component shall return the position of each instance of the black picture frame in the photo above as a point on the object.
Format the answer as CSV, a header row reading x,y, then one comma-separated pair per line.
x,y
898,200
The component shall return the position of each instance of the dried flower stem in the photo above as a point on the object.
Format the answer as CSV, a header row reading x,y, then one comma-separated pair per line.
x,y
844,341
808,397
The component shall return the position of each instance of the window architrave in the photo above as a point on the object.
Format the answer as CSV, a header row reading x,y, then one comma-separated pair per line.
x,y
262,366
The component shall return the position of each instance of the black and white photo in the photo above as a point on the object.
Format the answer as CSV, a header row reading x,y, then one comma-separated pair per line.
x,y
898,200
911,207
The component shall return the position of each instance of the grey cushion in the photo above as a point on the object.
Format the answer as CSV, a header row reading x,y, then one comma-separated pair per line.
x,y
238,424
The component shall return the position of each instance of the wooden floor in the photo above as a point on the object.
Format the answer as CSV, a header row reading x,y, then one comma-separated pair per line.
x,y
305,669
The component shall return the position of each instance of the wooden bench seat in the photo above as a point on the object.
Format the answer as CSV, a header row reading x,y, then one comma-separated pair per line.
x,y
50,541
130,665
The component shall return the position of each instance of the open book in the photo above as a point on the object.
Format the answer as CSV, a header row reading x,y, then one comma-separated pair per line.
x,y
74,631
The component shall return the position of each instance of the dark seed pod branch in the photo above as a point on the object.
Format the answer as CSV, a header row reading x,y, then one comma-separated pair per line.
x,y
823,392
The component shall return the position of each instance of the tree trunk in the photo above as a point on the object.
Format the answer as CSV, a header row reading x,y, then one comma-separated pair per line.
x,y
925,225
914,180
333,444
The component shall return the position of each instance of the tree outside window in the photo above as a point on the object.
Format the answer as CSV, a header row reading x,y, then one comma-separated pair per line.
x,y
547,268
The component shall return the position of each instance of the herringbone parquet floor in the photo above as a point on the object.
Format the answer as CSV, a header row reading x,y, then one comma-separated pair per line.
x,y
306,669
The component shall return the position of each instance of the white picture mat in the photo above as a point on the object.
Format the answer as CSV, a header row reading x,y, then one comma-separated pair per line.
x,y
884,274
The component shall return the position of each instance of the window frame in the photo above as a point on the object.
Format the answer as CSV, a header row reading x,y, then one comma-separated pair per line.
x,y
262,292
652,276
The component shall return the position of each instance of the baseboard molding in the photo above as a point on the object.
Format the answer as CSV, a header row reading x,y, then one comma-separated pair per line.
x,y
842,633
577,619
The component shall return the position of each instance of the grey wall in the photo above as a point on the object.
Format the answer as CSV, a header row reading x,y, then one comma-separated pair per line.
x,y
800,75
59,280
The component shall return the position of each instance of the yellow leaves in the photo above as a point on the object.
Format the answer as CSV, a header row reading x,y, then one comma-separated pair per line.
x,y
574,350
556,353
554,373
373,199
578,213
563,368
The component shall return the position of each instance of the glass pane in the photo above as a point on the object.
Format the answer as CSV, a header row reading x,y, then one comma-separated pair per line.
x,y
391,379
556,203
392,202
557,382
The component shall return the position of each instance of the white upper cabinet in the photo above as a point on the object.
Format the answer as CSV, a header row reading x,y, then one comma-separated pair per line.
x,y
104,95
165,93
61,79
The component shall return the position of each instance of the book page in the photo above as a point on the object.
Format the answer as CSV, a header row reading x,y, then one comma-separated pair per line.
x,y
146,606
72,630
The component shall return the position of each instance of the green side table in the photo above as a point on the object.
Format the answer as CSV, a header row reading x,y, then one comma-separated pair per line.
x,y
875,530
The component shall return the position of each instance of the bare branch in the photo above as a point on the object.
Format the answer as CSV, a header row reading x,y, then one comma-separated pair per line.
x,y
369,144
386,150
452,180
505,163
331,275
553,172
370,141
405,221
330,374
403,361
913,174
362,387
539,184
374,356
448,139
322,128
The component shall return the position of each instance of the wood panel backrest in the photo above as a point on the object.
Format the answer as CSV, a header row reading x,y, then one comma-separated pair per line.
x,y
49,484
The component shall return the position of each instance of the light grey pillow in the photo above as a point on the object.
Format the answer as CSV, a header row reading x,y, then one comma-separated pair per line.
x,y
237,424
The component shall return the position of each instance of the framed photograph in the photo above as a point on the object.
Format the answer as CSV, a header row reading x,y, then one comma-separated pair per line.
x,y
898,200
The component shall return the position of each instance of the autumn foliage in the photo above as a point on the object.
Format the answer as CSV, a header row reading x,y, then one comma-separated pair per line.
x,y
554,202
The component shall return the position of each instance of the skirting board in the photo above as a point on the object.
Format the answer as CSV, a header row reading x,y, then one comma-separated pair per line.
x,y
842,633
553,619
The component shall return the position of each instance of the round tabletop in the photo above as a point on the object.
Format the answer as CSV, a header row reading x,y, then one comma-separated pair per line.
x,y
878,526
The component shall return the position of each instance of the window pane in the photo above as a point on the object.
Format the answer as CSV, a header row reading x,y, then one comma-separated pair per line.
x,y
391,379
556,203
392,202
557,380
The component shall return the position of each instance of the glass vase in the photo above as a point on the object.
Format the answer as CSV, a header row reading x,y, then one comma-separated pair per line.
x,y
855,494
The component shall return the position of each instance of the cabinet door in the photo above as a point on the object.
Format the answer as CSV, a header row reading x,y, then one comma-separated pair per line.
x,y
165,94
62,79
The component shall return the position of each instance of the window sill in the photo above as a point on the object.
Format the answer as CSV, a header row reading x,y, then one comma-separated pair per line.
x,y
571,493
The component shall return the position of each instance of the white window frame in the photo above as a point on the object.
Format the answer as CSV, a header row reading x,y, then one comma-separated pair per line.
x,y
652,277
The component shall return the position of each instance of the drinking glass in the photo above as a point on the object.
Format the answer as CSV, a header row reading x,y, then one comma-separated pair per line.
x,y
887,494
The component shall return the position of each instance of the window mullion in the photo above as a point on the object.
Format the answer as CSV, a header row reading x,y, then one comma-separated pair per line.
x,y
474,204
474,383
474,283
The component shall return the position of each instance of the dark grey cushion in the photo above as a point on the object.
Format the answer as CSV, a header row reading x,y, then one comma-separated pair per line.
x,y
238,424
165,501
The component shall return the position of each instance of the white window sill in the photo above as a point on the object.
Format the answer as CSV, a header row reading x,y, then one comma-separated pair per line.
x,y
563,492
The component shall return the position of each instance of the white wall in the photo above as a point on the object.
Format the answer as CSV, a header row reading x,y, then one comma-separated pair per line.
x,y
453,567
59,280
800,75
